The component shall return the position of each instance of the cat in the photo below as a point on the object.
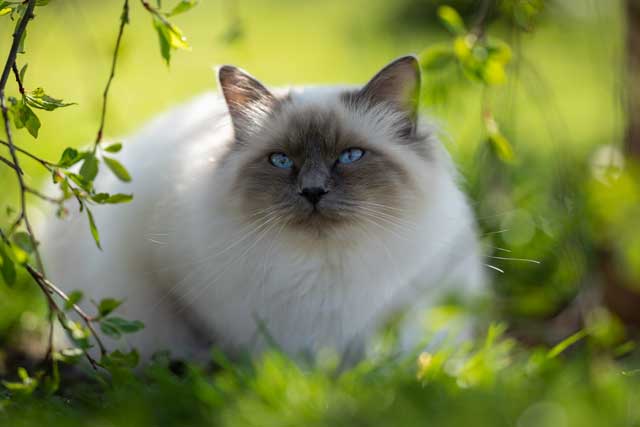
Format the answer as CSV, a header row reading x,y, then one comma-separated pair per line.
x,y
301,217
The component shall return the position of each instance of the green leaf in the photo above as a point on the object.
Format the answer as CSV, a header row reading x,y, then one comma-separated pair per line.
x,y
437,57
121,360
94,229
68,355
23,241
116,326
79,180
74,298
107,305
27,385
114,148
169,36
70,156
23,71
182,7
119,198
118,169
23,116
110,330
500,144
39,99
89,169
103,198
127,326
451,19
566,343
7,267
79,334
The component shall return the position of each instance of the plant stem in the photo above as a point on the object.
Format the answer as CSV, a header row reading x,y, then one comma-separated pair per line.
x,y
124,19
48,165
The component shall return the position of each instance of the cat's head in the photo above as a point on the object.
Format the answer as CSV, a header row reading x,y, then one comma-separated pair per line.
x,y
320,159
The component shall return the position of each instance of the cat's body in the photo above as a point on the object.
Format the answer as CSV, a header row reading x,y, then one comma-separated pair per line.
x,y
206,255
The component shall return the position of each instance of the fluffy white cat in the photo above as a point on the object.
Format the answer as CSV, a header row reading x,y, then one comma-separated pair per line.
x,y
308,215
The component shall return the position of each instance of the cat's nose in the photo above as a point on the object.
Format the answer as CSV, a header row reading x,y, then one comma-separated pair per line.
x,y
313,194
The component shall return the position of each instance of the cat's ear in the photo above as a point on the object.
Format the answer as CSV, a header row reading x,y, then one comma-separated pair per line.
x,y
247,99
398,84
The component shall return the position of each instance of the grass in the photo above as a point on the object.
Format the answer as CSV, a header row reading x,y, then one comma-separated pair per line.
x,y
495,382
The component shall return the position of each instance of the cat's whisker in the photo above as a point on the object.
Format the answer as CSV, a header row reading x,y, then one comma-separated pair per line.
x,y
533,261
199,290
489,233
493,267
392,218
203,262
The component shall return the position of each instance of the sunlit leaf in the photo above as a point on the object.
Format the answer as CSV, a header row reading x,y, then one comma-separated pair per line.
x,y
499,142
39,99
169,36
68,355
566,343
451,19
182,7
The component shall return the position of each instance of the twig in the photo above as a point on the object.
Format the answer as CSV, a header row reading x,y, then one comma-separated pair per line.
x,y
43,196
47,164
11,59
11,165
88,320
16,73
479,23
124,19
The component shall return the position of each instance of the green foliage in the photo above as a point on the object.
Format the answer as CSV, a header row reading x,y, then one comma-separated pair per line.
x,y
115,327
492,382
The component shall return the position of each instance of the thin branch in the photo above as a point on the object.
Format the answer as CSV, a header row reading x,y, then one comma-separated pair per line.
x,y
124,19
479,26
16,73
56,200
88,320
45,163
11,59
11,165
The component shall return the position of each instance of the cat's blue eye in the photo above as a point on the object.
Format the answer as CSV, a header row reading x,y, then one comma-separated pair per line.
x,y
281,160
350,155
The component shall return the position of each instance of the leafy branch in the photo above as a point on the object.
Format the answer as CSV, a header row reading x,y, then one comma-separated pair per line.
x,y
17,247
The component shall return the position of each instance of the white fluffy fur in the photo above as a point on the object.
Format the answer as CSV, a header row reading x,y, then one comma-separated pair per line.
x,y
180,256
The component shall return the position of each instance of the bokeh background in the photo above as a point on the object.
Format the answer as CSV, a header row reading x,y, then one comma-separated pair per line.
x,y
542,115
560,217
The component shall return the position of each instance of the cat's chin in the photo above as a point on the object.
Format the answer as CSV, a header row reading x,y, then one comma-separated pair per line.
x,y
320,222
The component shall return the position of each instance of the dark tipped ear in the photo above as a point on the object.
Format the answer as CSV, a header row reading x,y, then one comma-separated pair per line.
x,y
247,99
398,84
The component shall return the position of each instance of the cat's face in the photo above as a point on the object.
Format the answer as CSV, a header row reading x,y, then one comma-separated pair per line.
x,y
338,159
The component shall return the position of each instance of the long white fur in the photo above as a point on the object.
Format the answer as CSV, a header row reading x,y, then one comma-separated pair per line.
x,y
180,256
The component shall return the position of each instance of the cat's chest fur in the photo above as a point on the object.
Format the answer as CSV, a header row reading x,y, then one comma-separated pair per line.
x,y
253,281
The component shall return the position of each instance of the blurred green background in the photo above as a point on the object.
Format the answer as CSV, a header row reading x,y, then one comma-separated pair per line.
x,y
563,204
